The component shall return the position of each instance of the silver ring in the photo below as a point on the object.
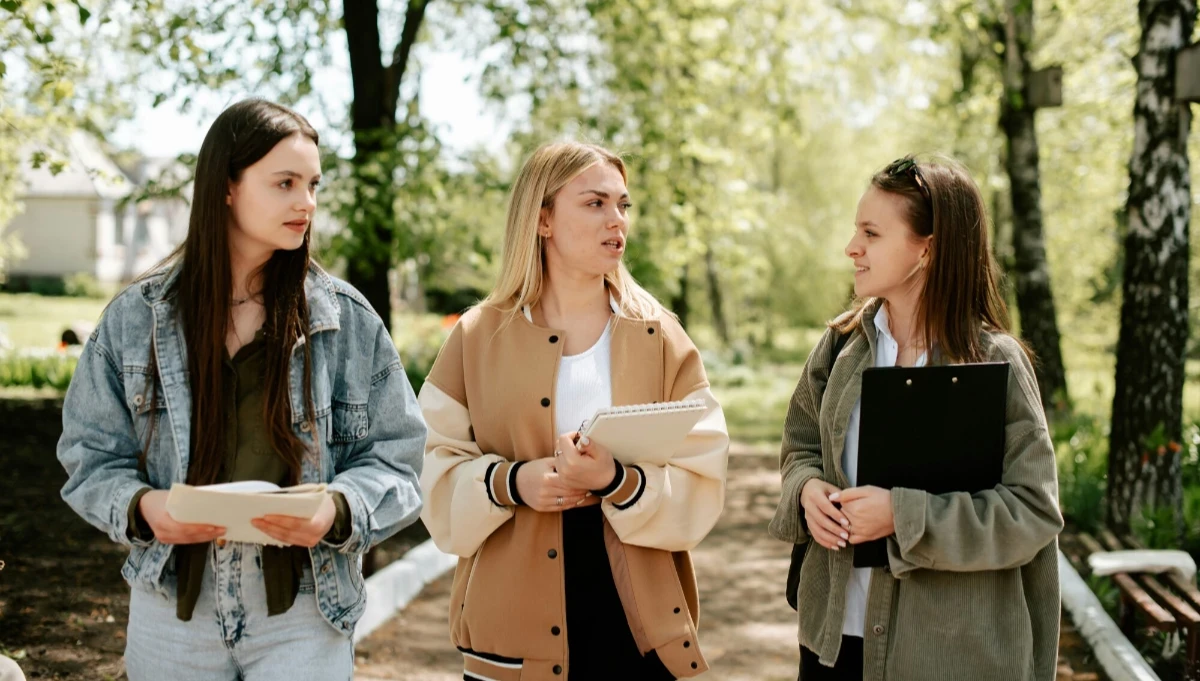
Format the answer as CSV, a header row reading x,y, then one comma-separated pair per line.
x,y
557,452
558,501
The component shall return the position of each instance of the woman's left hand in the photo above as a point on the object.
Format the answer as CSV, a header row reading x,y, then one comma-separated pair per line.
x,y
586,466
869,510
295,531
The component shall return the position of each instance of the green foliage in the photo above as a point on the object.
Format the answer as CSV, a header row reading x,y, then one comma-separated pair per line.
x,y
49,369
84,285
1156,528
1081,445
418,339
1107,593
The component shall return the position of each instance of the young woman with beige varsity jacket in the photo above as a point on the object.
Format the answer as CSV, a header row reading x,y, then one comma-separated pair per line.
x,y
572,565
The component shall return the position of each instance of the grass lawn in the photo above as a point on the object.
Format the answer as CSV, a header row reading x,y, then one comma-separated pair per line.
x,y
33,321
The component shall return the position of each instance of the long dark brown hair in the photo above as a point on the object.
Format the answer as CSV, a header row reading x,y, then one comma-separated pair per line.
x,y
961,294
241,136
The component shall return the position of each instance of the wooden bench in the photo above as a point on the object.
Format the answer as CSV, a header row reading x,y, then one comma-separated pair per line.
x,y
1173,608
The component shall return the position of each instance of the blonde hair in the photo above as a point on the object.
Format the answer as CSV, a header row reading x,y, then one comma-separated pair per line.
x,y
522,267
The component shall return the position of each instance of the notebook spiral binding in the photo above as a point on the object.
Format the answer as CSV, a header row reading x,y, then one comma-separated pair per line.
x,y
683,405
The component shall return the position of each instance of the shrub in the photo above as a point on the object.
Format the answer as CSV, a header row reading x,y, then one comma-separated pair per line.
x,y
38,368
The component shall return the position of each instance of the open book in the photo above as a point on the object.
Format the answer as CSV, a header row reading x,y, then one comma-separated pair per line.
x,y
644,433
233,504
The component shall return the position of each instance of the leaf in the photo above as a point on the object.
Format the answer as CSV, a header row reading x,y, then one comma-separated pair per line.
x,y
10,5
3,69
37,159
84,13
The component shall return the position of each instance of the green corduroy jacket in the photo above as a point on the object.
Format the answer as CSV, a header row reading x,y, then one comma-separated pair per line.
x,y
971,589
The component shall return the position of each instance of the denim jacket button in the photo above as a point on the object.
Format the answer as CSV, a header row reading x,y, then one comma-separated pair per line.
x,y
305,427
137,400
326,568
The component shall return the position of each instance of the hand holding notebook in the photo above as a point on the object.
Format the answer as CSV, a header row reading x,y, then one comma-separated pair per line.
x,y
644,433
233,505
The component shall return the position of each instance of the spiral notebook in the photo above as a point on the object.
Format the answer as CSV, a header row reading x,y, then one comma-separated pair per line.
x,y
644,433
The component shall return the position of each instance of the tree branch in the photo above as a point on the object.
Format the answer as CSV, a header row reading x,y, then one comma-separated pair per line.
x,y
413,17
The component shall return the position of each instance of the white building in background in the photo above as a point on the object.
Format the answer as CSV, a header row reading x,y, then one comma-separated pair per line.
x,y
70,222
78,221
154,227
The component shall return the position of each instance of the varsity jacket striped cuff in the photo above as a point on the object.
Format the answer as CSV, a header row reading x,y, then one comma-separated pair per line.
x,y
626,488
501,483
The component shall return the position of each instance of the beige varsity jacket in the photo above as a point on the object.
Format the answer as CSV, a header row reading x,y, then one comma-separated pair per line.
x,y
488,403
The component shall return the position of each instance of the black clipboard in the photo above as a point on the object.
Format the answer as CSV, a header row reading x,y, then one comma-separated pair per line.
x,y
939,429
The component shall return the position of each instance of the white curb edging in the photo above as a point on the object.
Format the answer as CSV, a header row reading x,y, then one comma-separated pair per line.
x,y
1120,660
390,589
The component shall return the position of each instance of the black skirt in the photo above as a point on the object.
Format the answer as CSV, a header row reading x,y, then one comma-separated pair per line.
x,y
599,642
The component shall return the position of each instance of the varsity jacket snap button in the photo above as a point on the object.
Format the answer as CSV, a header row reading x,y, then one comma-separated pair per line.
x,y
552,553
545,401
676,611
555,630
553,339
557,669
878,629
694,665
687,644
650,331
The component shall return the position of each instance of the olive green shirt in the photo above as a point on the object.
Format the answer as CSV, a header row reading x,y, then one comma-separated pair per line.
x,y
248,456
968,573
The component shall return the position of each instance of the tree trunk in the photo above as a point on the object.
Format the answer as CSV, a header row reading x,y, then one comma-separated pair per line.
x,y
679,301
714,296
376,90
1031,274
373,121
1144,459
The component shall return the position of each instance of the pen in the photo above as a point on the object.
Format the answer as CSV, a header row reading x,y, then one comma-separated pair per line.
x,y
579,433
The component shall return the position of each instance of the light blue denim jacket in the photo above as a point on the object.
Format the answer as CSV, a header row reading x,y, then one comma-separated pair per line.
x,y
372,434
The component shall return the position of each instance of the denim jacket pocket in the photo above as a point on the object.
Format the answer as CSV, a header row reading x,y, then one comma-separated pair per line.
x,y
143,391
350,422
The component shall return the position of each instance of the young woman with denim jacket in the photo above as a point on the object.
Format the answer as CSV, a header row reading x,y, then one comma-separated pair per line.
x,y
237,359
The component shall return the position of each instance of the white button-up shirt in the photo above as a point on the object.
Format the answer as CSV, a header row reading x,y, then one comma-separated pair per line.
x,y
886,351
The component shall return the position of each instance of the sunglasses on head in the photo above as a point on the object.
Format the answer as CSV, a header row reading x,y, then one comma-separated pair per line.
x,y
908,166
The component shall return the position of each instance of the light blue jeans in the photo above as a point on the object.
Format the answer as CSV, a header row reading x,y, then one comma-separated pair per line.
x,y
230,637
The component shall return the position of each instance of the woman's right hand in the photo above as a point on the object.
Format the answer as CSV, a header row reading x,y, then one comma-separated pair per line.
x,y
153,507
541,488
826,523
